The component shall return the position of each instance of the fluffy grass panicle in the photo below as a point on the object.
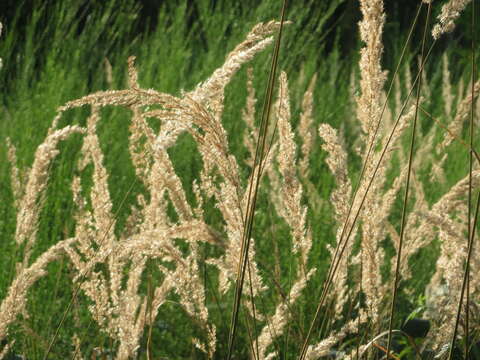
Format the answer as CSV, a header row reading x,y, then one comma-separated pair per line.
x,y
170,231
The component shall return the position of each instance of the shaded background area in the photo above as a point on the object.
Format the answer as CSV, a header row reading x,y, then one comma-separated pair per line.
x,y
340,29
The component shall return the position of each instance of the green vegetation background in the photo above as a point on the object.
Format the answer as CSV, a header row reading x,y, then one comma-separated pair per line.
x,y
56,51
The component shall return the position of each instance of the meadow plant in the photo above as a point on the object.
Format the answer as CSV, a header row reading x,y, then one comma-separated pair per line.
x,y
169,226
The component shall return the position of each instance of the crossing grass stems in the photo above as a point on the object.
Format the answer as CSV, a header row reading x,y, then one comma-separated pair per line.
x,y
169,227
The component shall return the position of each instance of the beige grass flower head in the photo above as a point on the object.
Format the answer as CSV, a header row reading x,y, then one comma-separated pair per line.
x,y
446,20
372,76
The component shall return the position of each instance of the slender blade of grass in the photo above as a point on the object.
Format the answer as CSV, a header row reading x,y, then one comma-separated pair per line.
x,y
471,130
253,189
407,188
470,230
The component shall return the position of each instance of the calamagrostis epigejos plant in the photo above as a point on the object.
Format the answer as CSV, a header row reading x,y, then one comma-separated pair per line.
x,y
123,312
110,266
117,306
377,205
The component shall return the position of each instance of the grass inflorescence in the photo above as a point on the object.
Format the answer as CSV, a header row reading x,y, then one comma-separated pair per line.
x,y
160,200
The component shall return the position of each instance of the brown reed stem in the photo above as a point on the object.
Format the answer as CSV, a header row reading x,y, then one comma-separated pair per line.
x,y
407,188
471,130
470,230
253,188
257,356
